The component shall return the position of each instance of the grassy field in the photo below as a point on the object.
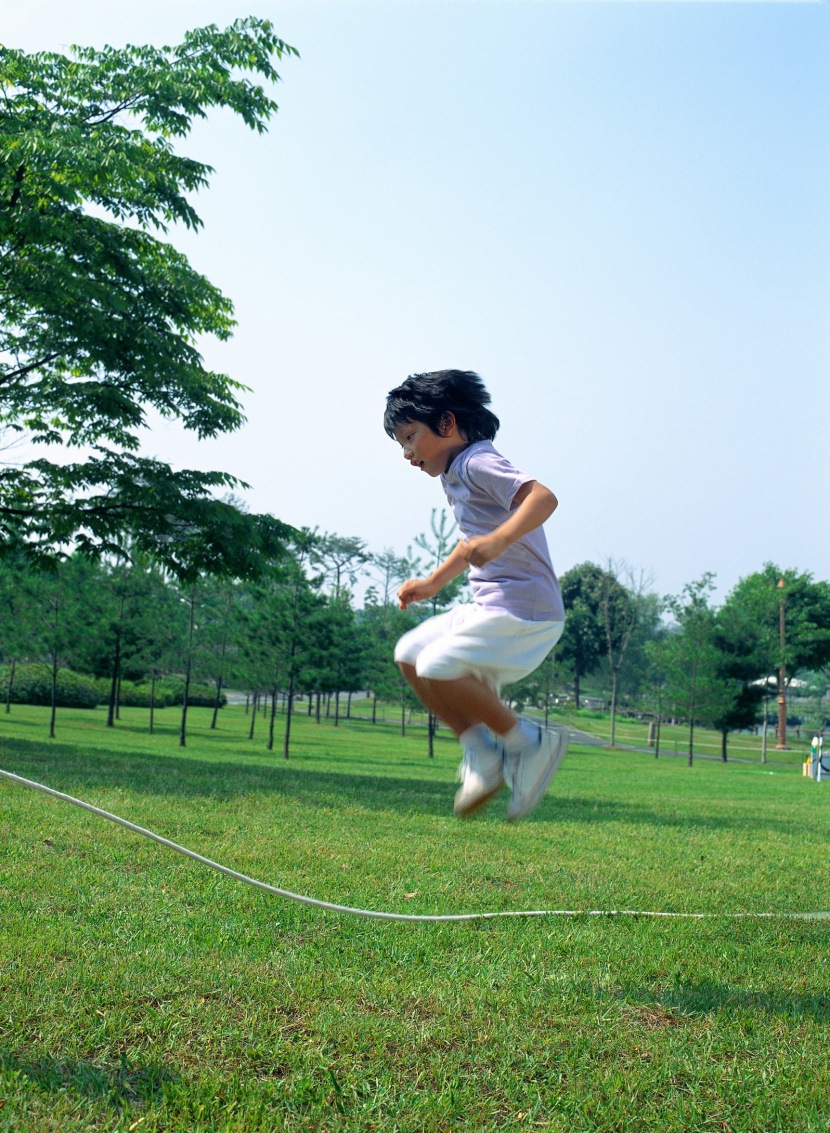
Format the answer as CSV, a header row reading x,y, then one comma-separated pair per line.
x,y
143,992
674,738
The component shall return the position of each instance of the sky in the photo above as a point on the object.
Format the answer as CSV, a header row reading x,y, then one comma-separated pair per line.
x,y
617,213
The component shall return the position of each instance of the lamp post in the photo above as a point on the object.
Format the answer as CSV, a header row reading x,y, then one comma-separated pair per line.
x,y
782,674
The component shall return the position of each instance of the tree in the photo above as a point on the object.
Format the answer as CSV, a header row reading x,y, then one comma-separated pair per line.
x,y
583,640
62,598
342,557
99,316
278,635
691,660
752,615
383,622
19,615
619,608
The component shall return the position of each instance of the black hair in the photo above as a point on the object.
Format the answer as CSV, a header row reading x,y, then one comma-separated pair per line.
x,y
430,397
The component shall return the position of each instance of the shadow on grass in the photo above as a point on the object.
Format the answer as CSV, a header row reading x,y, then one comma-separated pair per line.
x,y
118,1084
708,996
71,769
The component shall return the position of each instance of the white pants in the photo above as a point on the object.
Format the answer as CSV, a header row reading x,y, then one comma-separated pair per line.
x,y
473,641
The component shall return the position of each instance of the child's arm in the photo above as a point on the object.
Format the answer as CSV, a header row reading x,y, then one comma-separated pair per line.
x,y
536,503
421,589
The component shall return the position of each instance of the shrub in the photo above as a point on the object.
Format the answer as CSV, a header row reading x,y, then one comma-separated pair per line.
x,y
33,685
168,693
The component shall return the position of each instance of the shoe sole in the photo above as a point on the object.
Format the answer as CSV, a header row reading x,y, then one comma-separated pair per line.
x,y
478,803
544,783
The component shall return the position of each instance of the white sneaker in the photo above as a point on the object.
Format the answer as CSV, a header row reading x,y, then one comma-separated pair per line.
x,y
529,771
482,776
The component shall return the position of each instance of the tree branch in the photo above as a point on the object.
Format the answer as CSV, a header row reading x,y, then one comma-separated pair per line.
x,y
20,173
22,371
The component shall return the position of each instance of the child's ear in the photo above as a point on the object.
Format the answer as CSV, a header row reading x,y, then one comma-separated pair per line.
x,y
446,424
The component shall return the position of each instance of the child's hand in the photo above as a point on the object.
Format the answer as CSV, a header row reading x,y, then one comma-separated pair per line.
x,y
482,549
415,590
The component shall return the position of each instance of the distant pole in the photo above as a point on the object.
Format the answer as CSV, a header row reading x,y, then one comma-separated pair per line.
x,y
782,674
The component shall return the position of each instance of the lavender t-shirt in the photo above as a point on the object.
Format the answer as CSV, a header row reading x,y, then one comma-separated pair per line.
x,y
481,486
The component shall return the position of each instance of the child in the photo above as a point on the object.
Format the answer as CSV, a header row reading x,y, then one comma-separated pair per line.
x,y
456,662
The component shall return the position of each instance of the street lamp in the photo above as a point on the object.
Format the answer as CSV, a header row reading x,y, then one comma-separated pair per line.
x,y
782,674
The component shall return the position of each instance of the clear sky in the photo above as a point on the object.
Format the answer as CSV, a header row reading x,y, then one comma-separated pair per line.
x,y
617,213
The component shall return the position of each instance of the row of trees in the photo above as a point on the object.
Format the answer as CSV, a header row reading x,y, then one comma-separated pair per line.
x,y
295,631
291,631
681,656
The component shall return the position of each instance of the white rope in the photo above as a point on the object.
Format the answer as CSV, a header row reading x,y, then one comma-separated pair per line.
x,y
381,916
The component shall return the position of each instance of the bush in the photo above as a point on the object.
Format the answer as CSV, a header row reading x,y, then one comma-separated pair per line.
x,y
200,696
33,685
168,693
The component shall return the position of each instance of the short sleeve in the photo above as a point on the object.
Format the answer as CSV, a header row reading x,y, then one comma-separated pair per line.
x,y
492,474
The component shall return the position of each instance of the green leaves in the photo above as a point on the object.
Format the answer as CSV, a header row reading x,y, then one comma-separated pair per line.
x,y
99,316
114,499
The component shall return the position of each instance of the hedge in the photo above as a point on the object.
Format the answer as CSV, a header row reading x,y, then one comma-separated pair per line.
x,y
168,694
33,685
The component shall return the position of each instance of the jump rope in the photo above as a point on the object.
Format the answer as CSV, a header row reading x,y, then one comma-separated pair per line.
x,y
383,916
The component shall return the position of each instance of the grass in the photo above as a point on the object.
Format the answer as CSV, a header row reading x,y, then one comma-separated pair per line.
x,y
142,992
674,738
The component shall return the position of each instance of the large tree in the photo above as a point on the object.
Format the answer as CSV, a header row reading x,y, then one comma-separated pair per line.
x,y
692,662
100,316
619,610
583,641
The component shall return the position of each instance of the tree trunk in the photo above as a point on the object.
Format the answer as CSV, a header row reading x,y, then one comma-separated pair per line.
x,y
152,698
116,669
254,707
764,733
290,704
10,686
431,735
318,707
614,683
183,729
271,722
576,689
723,736
337,706
118,699
692,714
219,684
659,721
374,710
247,700
116,676
310,703
403,711
54,693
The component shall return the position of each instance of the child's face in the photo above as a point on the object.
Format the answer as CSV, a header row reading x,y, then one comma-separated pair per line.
x,y
431,452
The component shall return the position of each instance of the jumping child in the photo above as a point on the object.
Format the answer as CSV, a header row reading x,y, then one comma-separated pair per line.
x,y
457,662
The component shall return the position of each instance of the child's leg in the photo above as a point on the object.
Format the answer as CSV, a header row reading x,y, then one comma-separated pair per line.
x,y
442,659
462,703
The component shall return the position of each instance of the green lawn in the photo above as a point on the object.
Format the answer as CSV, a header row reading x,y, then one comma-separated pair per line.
x,y
143,992
674,738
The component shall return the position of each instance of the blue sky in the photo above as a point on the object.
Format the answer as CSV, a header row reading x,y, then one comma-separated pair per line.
x,y
616,212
